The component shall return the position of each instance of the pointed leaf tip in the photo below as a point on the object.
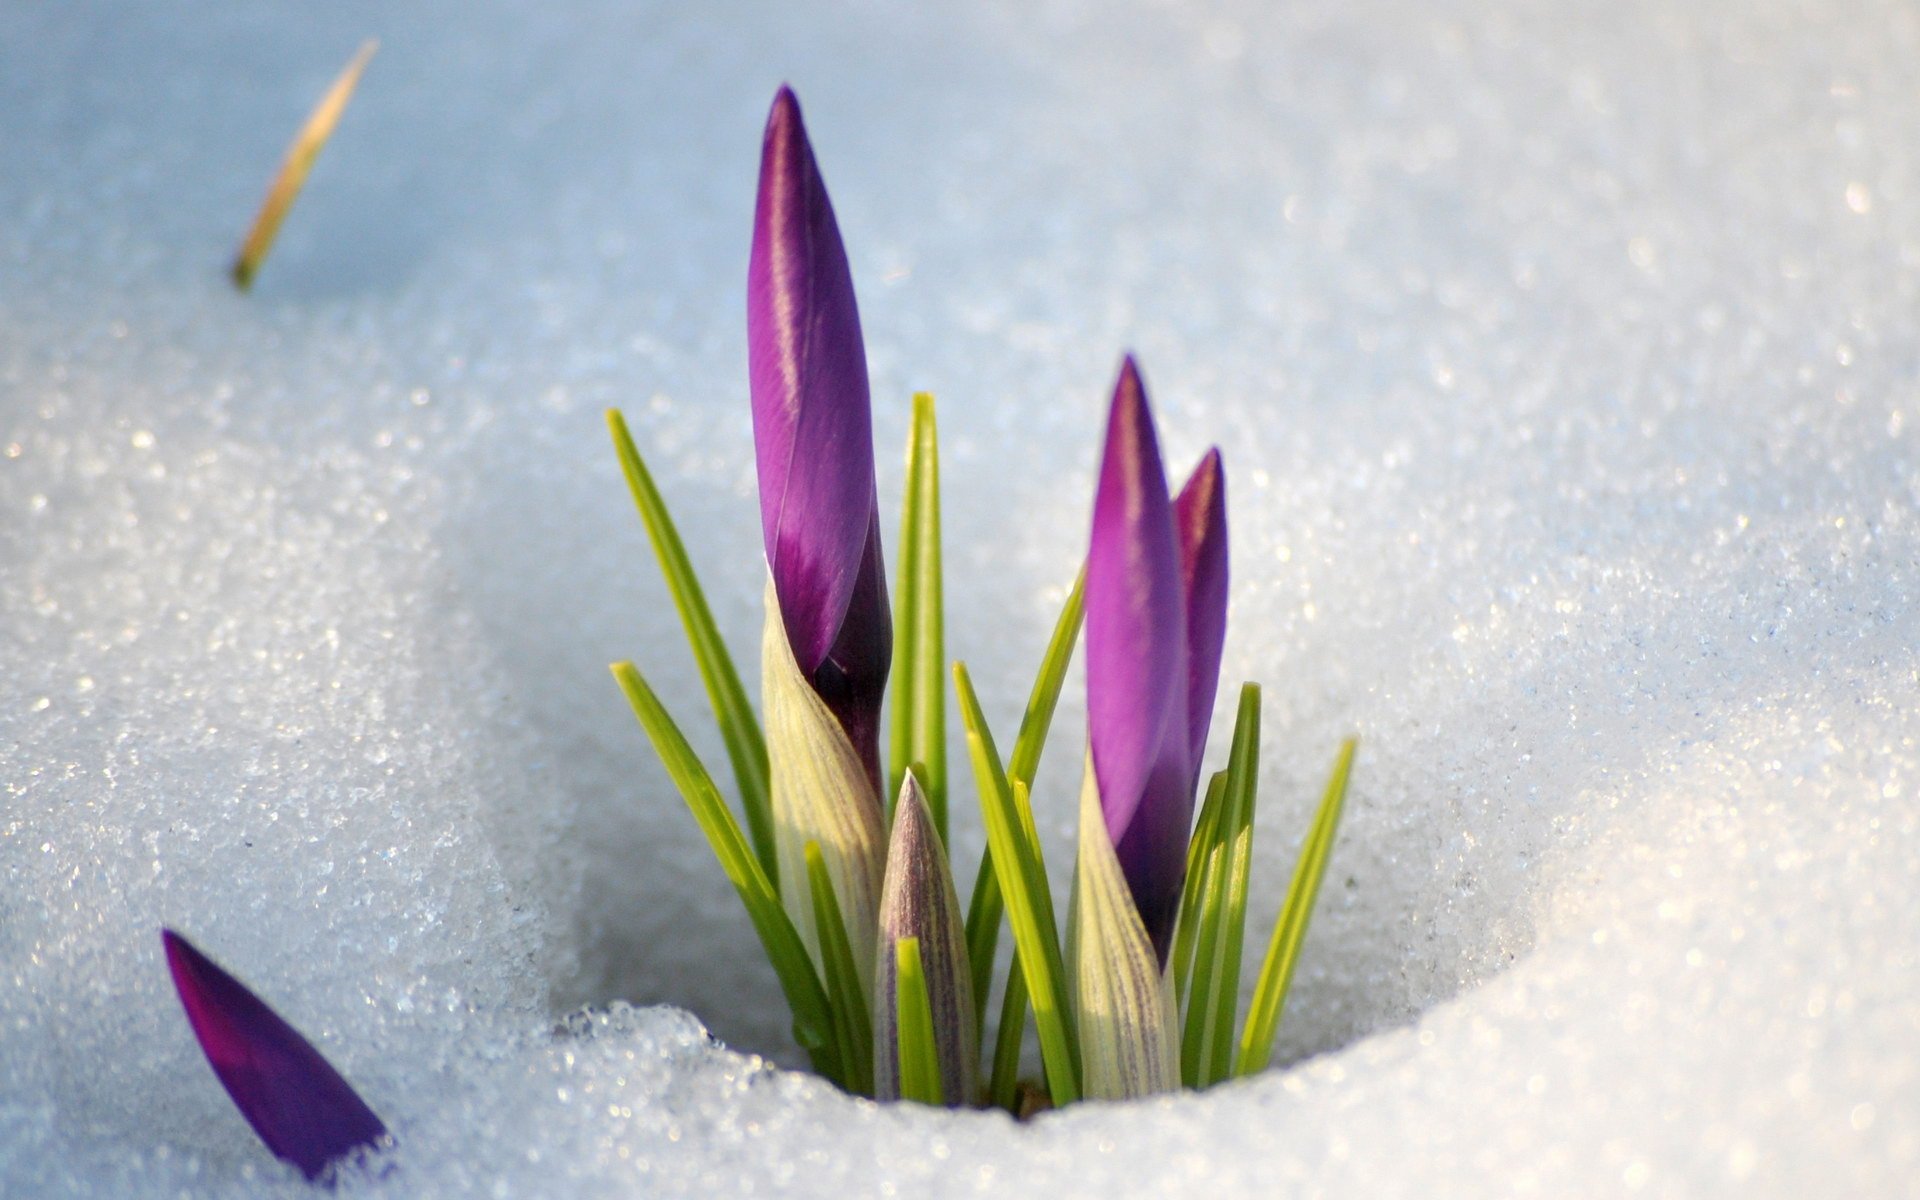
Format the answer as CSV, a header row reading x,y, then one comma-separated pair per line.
x,y
294,1099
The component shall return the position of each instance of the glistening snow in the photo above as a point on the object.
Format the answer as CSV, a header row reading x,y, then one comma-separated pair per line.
x,y
1565,364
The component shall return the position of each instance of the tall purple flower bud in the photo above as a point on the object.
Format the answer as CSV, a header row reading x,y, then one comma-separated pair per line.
x,y
298,1104
813,437
1156,596
829,633
1156,618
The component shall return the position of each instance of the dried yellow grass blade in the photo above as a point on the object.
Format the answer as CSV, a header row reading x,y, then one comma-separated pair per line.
x,y
292,175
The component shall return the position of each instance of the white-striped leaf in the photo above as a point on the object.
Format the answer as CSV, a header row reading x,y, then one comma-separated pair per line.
x,y
1124,1005
821,793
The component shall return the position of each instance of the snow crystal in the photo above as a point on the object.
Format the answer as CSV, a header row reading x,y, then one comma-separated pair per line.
x,y
1564,362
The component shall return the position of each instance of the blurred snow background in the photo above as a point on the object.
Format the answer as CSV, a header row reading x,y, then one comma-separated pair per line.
x,y
1563,356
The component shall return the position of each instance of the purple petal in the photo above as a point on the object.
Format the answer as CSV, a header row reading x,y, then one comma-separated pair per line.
x,y
1200,520
295,1101
812,431
1153,850
1137,663
852,679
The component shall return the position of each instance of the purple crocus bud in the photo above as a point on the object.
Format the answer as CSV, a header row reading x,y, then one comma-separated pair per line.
x,y
917,901
1200,520
1156,604
295,1101
1149,693
813,437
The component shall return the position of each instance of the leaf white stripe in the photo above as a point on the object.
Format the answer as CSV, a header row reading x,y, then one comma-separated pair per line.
x,y
1129,1038
821,793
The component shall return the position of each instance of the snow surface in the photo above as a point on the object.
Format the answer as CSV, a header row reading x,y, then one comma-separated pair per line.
x,y
1564,360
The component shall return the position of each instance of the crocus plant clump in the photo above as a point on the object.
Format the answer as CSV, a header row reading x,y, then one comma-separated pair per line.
x,y
844,865
845,869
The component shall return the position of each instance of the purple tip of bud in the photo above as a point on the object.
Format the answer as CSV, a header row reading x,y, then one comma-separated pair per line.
x,y
813,436
812,429
1200,520
295,1101
1137,666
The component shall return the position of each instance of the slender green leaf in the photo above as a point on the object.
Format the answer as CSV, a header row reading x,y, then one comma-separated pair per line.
x,y
739,728
813,1025
844,993
1206,835
919,1059
1003,1087
919,726
985,908
1290,931
1029,904
1207,1045
1045,696
983,929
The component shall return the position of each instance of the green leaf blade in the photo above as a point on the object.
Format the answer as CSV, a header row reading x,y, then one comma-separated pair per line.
x,y
1029,903
1206,832
844,993
1003,1085
984,912
918,732
739,727
1243,778
1037,720
1290,931
987,906
812,1014
919,1059
1206,887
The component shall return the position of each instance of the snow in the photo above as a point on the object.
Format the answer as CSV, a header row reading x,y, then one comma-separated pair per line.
x,y
1564,366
